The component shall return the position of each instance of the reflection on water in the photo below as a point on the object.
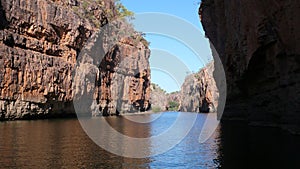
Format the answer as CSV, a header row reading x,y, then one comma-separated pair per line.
x,y
257,147
64,144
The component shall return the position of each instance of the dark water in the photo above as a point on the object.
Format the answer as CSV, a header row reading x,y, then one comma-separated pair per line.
x,y
64,144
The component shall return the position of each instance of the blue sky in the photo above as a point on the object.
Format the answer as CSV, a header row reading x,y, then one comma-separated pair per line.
x,y
186,9
172,59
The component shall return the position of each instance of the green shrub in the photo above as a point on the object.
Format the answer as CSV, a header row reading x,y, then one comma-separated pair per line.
x,y
173,106
122,10
156,109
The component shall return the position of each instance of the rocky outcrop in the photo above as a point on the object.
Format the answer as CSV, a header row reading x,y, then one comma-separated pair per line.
x,y
124,79
112,75
159,99
163,101
199,92
174,96
38,48
39,45
258,44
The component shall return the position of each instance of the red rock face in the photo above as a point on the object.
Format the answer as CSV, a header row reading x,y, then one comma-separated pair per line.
x,y
199,92
124,80
159,98
39,45
258,44
38,48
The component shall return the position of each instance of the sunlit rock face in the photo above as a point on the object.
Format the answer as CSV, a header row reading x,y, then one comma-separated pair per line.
x,y
199,92
124,79
158,99
39,45
258,43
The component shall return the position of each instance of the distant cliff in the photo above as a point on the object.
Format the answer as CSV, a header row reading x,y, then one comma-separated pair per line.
x,y
258,43
159,98
199,92
39,45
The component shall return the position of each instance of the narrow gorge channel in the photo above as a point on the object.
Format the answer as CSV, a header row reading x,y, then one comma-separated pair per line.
x,y
78,87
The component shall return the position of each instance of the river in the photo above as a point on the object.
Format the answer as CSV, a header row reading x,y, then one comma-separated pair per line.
x,y
62,143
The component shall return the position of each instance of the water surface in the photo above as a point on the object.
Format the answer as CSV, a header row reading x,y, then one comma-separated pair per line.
x,y
63,144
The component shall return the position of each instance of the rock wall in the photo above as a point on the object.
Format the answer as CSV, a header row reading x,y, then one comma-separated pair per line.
x,y
124,79
175,97
159,99
38,48
258,44
39,45
199,92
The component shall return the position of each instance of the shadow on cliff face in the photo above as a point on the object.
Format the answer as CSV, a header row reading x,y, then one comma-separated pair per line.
x,y
3,20
260,53
261,75
267,84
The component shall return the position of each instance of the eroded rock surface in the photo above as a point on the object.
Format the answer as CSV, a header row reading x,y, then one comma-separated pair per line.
x,y
199,92
258,43
124,79
39,45
159,99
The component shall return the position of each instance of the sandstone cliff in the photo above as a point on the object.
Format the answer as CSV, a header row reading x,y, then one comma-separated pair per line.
x,y
258,43
39,45
159,99
123,80
199,92
174,100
